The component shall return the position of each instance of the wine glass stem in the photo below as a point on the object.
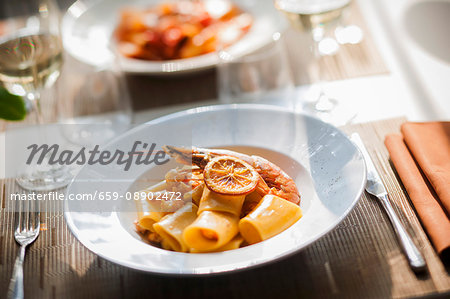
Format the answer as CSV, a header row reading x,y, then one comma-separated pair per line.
x,y
321,102
34,98
316,36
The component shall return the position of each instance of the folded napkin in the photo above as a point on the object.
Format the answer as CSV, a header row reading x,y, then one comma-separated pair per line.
x,y
429,143
422,160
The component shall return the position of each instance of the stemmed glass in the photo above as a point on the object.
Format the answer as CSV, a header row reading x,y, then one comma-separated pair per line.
x,y
318,17
261,76
30,61
94,104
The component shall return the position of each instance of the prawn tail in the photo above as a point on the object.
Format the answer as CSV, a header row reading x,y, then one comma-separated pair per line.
x,y
180,154
187,156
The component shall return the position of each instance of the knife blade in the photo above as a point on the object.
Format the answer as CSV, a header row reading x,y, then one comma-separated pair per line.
x,y
375,187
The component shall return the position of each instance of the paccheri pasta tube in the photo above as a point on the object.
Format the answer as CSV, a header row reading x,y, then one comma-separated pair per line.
x,y
195,194
212,201
234,243
270,217
147,219
148,214
211,230
171,227
157,187
216,225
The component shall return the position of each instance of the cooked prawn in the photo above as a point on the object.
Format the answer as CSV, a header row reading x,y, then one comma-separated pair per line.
x,y
274,180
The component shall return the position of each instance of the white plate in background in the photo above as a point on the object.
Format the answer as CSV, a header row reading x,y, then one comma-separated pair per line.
x,y
87,30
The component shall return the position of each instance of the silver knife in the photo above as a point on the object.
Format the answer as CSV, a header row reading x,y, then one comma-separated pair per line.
x,y
375,187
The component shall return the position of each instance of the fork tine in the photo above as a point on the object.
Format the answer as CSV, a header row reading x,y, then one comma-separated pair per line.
x,y
24,223
37,216
30,218
27,215
20,211
17,214
32,215
22,216
26,205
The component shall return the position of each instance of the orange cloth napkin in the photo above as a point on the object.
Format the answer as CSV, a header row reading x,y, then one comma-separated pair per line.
x,y
422,160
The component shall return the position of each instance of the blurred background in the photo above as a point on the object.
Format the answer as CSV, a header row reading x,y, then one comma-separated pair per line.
x,y
373,60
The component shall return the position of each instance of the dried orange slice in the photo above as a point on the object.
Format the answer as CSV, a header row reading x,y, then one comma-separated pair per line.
x,y
230,175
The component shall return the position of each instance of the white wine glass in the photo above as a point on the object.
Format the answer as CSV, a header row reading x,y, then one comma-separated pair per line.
x,y
318,18
30,61
94,103
260,76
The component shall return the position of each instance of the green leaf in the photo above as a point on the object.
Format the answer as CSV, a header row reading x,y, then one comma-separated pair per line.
x,y
12,107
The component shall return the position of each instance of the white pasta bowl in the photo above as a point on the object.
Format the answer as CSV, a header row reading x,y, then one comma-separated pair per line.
x,y
328,169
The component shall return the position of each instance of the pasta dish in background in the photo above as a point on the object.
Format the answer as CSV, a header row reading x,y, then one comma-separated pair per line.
x,y
228,200
180,29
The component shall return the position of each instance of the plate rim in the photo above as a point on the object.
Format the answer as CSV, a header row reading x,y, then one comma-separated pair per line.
x,y
278,257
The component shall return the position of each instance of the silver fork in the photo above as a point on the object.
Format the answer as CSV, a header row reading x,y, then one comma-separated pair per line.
x,y
27,224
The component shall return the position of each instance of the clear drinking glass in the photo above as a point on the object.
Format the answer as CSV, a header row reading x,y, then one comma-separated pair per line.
x,y
318,18
30,61
94,102
261,76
